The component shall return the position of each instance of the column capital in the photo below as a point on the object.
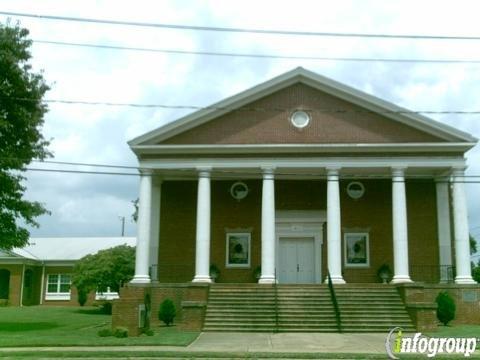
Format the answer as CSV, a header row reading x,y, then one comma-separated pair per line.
x,y
268,172
204,171
398,170
442,179
458,170
145,171
332,173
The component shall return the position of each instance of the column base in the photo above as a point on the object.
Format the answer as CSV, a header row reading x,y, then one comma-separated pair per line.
x,y
140,279
336,280
466,280
401,279
267,279
202,279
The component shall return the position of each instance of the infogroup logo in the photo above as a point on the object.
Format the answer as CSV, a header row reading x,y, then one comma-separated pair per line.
x,y
397,343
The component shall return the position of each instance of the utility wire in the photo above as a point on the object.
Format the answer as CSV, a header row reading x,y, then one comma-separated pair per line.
x,y
240,30
247,173
261,109
259,56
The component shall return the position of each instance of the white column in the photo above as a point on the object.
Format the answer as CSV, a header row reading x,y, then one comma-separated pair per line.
x,y
400,229
155,228
443,228
334,233
460,225
202,254
268,228
143,229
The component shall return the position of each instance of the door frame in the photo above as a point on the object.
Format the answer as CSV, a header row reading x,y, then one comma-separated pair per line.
x,y
301,224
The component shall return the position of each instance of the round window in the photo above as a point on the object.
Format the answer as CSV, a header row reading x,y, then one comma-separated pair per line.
x,y
300,119
239,190
355,190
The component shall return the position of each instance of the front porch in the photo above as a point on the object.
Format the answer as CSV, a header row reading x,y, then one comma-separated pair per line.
x,y
292,225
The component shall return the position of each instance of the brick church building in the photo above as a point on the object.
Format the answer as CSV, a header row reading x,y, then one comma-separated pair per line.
x,y
295,179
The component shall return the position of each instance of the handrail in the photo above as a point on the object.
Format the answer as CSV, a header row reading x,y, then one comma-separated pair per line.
x,y
276,301
338,317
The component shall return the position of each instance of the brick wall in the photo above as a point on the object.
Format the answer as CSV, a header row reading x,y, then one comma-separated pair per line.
x,y
466,297
189,300
273,127
15,283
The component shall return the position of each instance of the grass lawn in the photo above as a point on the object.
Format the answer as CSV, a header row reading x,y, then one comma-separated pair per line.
x,y
71,326
457,331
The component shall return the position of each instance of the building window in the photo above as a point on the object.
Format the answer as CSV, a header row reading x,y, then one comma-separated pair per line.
x,y
58,287
238,250
356,249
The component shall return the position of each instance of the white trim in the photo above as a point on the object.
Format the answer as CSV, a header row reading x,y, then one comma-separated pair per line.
x,y
227,248
300,75
22,283
353,265
42,284
57,296
440,147
318,163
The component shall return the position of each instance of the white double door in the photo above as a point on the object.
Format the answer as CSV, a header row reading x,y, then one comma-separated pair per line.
x,y
296,260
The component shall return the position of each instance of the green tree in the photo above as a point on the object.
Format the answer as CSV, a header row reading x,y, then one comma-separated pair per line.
x,y
445,307
167,312
110,268
21,119
473,245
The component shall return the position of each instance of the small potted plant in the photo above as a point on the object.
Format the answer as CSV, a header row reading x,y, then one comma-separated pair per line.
x,y
384,273
214,272
257,273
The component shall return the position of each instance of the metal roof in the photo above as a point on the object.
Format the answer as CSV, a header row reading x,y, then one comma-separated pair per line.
x,y
67,248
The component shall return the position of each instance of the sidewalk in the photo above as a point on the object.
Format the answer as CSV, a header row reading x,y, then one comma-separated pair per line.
x,y
223,342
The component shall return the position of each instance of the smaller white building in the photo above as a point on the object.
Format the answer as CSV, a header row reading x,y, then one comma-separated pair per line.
x,y
40,273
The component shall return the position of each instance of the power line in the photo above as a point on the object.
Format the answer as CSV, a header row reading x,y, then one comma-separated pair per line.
x,y
240,30
259,56
247,173
261,109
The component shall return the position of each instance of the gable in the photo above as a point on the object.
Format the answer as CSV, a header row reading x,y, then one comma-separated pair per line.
x,y
333,121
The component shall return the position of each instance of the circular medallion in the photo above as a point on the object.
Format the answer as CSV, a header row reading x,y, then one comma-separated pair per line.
x,y
300,119
355,189
239,190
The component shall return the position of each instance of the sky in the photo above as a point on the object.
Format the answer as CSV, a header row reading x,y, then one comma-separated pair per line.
x,y
90,205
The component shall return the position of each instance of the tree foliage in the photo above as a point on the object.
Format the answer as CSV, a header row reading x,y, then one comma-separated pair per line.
x,y
473,245
110,268
21,119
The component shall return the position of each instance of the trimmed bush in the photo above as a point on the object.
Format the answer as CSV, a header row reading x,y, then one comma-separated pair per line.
x,y
446,307
149,332
106,307
82,297
120,332
167,312
105,332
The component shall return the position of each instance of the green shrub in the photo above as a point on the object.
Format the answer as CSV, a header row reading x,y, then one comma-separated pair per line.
x,y
120,332
105,332
149,332
446,307
167,312
82,296
106,307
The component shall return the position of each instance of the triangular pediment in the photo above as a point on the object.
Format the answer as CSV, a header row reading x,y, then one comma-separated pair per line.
x,y
338,115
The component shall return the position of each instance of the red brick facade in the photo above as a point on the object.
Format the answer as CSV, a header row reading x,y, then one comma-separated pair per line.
x,y
371,213
351,124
